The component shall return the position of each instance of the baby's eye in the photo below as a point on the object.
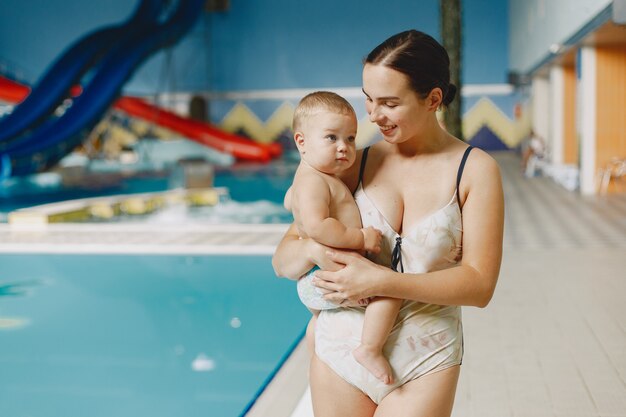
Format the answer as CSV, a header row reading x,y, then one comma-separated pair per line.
x,y
351,139
331,138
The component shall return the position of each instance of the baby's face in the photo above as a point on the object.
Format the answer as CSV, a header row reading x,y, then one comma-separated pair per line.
x,y
328,141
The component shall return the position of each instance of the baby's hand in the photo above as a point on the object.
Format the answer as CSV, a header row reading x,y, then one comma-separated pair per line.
x,y
371,239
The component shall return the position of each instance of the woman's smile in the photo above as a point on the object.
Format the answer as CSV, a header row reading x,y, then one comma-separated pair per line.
x,y
387,130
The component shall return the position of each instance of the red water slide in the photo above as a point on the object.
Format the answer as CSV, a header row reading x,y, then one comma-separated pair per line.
x,y
14,92
204,133
11,91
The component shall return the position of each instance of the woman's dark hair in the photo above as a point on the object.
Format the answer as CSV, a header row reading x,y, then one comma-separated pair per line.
x,y
421,58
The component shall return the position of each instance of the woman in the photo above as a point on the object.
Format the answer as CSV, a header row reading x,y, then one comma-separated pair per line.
x,y
440,206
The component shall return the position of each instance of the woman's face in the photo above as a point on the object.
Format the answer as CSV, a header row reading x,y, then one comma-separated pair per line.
x,y
391,103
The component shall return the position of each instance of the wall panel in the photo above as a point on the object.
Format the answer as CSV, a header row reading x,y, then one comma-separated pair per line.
x,y
611,102
570,140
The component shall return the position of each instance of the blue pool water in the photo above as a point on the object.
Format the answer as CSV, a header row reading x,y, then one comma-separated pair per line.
x,y
258,182
247,183
102,336
17,193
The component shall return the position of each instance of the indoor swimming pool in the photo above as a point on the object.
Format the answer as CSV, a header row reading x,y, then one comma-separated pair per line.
x,y
255,193
103,335
146,333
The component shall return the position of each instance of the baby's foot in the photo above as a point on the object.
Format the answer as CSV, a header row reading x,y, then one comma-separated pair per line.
x,y
375,362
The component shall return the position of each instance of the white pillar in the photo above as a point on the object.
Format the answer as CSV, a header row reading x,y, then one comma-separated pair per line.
x,y
557,114
586,115
540,106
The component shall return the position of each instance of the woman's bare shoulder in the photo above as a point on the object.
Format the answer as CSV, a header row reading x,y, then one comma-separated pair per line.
x,y
378,151
480,164
481,172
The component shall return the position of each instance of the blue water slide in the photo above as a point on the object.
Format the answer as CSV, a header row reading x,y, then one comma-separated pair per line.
x,y
53,87
45,146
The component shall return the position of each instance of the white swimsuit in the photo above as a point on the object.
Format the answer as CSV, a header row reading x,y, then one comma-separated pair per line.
x,y
426,337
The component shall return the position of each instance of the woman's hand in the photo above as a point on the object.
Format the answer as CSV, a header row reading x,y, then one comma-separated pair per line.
x,y
358,280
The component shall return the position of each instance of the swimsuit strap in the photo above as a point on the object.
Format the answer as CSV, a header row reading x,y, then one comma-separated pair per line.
x,y
363,159
459,174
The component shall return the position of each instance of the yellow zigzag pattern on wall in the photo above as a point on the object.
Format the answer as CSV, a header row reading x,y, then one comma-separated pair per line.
x,y
240,117
486,113
483,113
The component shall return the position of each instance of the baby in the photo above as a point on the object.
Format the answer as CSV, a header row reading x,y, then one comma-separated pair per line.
x,y
324,210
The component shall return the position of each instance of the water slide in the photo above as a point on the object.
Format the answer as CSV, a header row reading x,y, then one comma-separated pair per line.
x,y
204,133
201,132
15,93
12,91
43,146
56,83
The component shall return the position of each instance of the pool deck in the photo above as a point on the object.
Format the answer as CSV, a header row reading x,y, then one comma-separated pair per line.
x,y
553,340
551,343
136,238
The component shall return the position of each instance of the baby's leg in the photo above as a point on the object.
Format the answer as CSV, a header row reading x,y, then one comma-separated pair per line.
x,y
380,317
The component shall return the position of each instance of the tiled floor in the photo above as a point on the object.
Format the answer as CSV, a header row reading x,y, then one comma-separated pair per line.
x,y
552,343
553,340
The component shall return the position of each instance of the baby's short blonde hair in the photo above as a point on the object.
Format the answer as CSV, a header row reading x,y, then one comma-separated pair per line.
x,y
320,100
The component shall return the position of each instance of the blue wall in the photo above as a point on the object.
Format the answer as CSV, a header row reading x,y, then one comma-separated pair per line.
x,y
34,32
257,44
485,46
284,43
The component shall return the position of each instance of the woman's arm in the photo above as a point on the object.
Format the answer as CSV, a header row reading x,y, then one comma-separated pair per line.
x,y
360,278
294,256
291,259
471,283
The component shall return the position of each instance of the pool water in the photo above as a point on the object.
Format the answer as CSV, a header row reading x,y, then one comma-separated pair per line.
x,y
102,336
225,212
254,182
252,187
17,193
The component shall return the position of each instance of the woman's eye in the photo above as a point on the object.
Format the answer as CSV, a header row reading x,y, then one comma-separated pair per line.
x,y
391,105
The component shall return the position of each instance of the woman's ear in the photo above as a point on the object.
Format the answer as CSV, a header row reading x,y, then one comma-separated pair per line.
x,y
435,99
298,137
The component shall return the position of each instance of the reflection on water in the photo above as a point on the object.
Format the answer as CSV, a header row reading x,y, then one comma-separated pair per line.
x,y
17,288
14,289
